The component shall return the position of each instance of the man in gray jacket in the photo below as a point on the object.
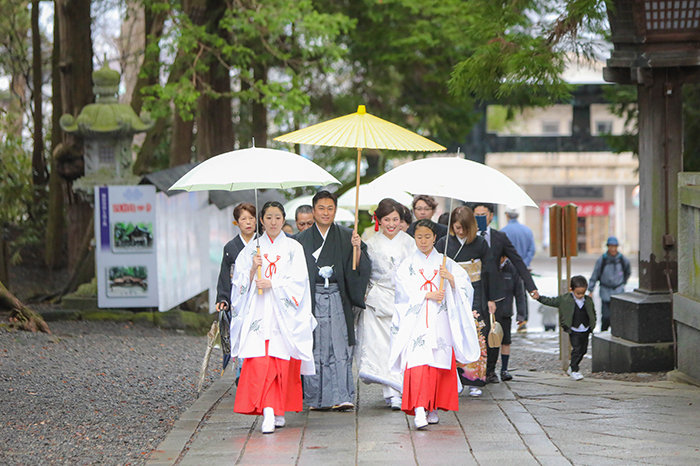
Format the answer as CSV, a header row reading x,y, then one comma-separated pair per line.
x,y
613,270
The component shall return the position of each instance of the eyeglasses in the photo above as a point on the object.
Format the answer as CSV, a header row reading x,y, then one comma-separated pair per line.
x,y
422,209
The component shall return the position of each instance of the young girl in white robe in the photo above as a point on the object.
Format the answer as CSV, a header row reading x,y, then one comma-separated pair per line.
x,y
272,323
431,329
386,249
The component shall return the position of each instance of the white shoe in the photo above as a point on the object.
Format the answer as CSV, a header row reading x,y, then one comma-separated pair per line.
x,y
568,371
473,391
396,403
432,417
576,376
268,423
279,421
420,420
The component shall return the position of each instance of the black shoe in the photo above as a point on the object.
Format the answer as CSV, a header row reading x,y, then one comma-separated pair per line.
x,y
505,376
492,378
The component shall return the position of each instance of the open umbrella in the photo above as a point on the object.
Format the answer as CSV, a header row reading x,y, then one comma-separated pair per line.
x,y
361,131
456,178
372,195
253,168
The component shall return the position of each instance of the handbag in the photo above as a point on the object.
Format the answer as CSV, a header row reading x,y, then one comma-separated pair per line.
x,y
496,333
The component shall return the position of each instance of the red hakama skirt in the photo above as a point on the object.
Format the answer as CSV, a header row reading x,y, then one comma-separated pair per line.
x,y
430,388
269,382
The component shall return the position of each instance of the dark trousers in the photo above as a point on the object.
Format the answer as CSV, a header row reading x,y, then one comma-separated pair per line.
x,y
579,347
605,318
492,353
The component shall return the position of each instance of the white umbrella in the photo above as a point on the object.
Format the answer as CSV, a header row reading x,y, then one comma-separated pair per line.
x,y
371,195
254,168
341,214
456,178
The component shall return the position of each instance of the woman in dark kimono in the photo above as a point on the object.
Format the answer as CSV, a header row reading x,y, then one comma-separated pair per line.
x,y
472,252
244,218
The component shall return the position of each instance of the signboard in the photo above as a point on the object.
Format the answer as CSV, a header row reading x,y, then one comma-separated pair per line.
x,y
125,256
585,209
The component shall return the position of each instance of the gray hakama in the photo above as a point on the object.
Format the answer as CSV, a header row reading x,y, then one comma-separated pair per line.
x,y
333,382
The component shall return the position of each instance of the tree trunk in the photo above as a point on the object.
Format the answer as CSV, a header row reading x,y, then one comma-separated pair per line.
x,y
20,315
154,30
54,255
74,23
244,130
259,110
38,160
215,134
181,140
4,258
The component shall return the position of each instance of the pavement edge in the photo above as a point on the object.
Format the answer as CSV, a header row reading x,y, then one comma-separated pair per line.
x,y
169,450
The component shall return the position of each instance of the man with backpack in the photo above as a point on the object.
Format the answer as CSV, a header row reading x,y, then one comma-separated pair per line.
x,y
613,270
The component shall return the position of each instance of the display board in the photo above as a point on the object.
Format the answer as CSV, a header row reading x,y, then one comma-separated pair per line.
x,y
125,252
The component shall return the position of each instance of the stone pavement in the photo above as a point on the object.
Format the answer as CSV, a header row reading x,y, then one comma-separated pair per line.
x,y
536,419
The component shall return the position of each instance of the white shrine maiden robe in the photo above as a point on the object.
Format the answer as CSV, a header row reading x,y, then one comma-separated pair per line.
x,y
281,314
419,340
374,330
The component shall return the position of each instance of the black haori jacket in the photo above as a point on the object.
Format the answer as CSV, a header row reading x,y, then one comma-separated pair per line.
x,y
337,251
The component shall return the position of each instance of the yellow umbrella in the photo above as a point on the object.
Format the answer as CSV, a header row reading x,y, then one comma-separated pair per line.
x,y
361,131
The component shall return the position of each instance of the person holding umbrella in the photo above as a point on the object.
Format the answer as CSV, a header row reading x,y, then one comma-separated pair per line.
x,y
386,250
431,328
272,331
472,253
244,219
337,286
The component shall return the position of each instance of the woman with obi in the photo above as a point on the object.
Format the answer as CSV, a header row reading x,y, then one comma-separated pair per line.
x,y
272,324
472,252
386,249
432,328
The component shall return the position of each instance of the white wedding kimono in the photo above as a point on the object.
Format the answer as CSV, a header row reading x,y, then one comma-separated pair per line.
x,y
425,332
374,326
281,314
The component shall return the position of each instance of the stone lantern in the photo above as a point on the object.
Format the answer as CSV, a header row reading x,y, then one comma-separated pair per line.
x,y
107,129
657,48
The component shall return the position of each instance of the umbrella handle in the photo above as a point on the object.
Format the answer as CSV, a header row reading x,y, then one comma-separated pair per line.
x,y
357,203
442,280
259,272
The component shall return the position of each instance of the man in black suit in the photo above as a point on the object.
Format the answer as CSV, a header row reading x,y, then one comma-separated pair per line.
x,y
501,246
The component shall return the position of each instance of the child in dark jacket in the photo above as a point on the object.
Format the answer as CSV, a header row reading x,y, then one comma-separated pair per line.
x,y
577,318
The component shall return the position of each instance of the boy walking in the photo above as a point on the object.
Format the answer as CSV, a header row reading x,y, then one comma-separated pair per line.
x,y
577,318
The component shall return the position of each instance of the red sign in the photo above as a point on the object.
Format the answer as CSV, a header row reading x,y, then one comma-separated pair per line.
x,y
585,209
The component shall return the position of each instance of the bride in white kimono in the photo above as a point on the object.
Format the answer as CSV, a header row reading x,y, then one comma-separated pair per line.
x,y
431,328
272,323
386,249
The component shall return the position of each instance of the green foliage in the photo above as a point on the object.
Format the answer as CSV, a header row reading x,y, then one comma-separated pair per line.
x,y
521,48
623,104
15,57
290,37
19,210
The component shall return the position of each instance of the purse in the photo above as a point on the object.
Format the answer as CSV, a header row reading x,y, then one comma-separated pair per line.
x,y
496,333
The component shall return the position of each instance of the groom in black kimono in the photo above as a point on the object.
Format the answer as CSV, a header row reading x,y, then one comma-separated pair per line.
x,y
329,254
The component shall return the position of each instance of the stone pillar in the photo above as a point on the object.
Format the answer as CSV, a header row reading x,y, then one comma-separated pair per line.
x,y
620,215
641,321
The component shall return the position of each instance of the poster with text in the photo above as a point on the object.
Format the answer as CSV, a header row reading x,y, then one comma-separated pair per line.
x,y
125,253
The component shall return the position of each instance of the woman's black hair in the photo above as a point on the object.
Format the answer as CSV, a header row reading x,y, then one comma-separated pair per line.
x,y
269,204
385,207
405,213
426,222
578,281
